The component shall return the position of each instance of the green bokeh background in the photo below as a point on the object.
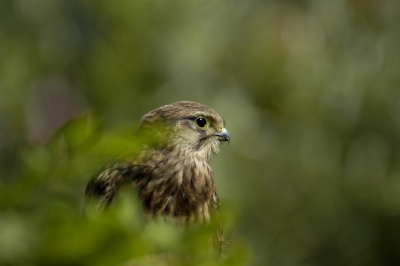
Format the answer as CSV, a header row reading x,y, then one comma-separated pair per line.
x,y
309,90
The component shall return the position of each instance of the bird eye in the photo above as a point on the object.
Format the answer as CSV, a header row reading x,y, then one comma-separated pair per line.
x,y
201,122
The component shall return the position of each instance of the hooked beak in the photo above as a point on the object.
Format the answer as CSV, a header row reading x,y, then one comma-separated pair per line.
x,y
223,136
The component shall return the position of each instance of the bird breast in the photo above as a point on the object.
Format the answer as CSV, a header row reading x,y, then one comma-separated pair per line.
x,y
177,185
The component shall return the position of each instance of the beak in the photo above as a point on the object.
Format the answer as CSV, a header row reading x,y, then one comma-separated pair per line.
x,y
223,136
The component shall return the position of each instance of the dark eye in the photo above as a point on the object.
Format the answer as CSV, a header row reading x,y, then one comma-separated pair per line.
x,y
201,122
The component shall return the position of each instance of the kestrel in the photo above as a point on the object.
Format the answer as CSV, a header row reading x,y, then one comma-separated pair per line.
x,y
171,173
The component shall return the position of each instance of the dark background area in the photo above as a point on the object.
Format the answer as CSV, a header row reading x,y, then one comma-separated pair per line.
x,y
309,90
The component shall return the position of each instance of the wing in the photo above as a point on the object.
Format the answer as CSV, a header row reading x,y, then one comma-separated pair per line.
x,y
103,187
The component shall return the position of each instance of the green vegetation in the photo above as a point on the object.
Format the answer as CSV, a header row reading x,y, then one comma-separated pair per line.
x,y
309,90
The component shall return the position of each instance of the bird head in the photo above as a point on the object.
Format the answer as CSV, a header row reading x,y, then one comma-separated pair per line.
x,y
185,126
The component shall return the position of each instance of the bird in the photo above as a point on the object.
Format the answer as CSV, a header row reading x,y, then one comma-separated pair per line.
x,y
170,172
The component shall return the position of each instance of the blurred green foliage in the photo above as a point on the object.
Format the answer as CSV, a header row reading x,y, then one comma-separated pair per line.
x,y
309,90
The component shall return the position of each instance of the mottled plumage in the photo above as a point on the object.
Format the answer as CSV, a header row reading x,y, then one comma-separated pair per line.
x,y
171,174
